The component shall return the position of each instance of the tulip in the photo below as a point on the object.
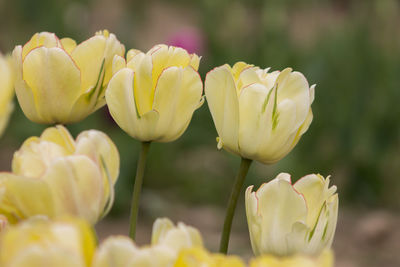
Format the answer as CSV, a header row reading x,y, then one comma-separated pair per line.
x,y
6,91
258,115
38,242
58,81
324,260
286,219
197,257
153,96
54,175
166,242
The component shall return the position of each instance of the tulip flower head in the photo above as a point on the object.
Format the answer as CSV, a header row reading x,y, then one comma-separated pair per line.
x,y
167,241
286,219
58,81
39,242
7,77
54,175
258,115
153,95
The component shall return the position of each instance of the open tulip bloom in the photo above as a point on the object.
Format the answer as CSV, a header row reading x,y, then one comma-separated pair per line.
x,y
152,97
58,81
286,219
259,115
53,175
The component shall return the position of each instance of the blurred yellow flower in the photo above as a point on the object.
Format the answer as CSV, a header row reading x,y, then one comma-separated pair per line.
x,y
54,175
58,81
324,260
7,79
166,242
39,242
152,97
198,257
286,219
258,115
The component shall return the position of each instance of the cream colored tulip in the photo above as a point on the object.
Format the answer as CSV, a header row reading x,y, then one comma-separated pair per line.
x,y
39,242
58,81
323,260
258,115
166,242
7,77
198,257
54,175
286,219
152,97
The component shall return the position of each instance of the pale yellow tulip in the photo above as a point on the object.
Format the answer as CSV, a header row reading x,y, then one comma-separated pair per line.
x,y
54,175
258,115
198,257
39,242
152,97
58,81
324,260
166,242
286,219
7,78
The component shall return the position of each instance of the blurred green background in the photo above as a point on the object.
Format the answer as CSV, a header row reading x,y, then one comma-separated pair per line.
x,y
349,48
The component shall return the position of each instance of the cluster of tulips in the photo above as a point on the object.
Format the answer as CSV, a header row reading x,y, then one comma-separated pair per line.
x,y
59,187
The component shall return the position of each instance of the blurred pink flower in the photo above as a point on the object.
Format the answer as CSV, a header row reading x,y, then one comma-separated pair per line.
x,y
190,39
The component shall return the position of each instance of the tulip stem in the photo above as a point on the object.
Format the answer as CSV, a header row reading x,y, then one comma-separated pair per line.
x,y
230,212
137,188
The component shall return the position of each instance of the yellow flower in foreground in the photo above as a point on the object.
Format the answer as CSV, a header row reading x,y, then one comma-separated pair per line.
x,y
38,242
324,260
286,219
197,257
58,81
152,97
6,91
258,115
54,175
166,242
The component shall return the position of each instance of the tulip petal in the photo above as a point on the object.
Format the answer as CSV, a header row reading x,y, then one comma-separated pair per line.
x,y
279,206
76,185
177,95
254,126
89,56
24,93
315,190
253,220
295,86
23,197
116,251
68,44
44,39
60,136
223,103
121,103
54,80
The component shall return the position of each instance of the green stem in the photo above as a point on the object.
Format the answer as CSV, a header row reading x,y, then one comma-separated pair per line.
x,y
230,212
138,188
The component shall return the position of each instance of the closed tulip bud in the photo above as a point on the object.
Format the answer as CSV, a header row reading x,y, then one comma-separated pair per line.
x,y
38,242
198,257
54,175
152,97
323,260
286,219
7,77
258,115
58,81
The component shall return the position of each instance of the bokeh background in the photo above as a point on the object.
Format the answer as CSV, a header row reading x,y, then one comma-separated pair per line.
x,y
349,48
